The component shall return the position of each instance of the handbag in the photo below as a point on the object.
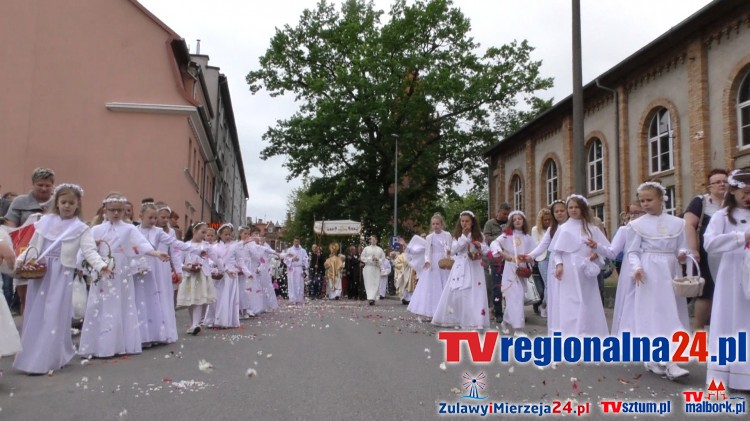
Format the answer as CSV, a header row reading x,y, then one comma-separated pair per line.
x,y
531,294
80,297
689,285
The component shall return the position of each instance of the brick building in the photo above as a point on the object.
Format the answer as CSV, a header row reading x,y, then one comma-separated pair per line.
x,y
673,110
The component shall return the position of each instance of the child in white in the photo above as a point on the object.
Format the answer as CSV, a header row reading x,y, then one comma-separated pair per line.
x,y
511,244
575,248
225,312
111,325
153,288
655,243
47,342
432,278
197,290
728,235
623,318
10,342
464,299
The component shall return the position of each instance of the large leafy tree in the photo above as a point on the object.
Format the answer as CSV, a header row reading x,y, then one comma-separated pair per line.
x,y
368,84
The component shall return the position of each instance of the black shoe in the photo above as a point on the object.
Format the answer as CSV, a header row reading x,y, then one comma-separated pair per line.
x,y
336,298
536,309
382,298
372,302
404,302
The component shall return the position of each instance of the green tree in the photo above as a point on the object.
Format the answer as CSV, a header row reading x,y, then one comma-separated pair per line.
x,y
418,79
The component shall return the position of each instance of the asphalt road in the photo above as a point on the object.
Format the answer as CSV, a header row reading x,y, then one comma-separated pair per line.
x,y
328,360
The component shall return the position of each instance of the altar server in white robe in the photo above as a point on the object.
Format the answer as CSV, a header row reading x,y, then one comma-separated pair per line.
x,y
728,235
656,242
296,261
372,256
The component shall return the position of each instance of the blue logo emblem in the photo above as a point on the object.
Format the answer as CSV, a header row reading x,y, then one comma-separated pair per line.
x,y
474,385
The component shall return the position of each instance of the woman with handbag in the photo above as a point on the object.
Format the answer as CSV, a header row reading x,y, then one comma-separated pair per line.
x,y
655,243
433,276
697,215
463,302
728,235
509,245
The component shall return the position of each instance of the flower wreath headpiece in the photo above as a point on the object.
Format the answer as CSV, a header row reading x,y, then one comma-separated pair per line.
x,y
71,186
734,182
228,224
467,212
114,200
516,212
655,185
579,197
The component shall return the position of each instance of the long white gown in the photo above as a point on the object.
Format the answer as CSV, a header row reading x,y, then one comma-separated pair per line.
x,y
296,265
111,325
653,244
623,318
225,312
432,280
730,312
10,341
577,303
514,288
463,302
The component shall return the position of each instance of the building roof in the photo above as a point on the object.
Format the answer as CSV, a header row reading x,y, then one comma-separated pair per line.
x,y
715,11
227,99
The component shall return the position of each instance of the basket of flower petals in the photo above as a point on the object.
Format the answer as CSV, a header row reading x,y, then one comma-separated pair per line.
x,y
217,275
191,267
30,268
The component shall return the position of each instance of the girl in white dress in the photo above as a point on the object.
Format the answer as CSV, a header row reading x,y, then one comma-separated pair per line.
x,y
432,278
656,241
225,312
154,294
197,290
111,325
163,214
463,302
10,342
559,216
623,316
46,339
728,235
244,277
512,243
578,250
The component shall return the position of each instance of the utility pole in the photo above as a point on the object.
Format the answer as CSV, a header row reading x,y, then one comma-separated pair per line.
x,y
579,164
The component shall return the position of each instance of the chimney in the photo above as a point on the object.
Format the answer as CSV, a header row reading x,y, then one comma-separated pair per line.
x,y
198,47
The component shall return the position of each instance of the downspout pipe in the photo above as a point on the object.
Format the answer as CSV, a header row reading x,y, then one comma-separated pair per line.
x,y
617,141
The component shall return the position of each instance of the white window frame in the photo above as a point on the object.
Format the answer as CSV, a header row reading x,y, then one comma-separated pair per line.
x,y
742,142
669,205
592,172
517,186
552,182
656,140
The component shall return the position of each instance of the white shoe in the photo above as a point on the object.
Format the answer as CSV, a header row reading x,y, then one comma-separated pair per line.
x,y
675,372
656,368
543,312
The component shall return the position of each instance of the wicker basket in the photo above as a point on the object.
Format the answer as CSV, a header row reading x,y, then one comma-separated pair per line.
x,y
30,268
192,267
217,275
523,270
689,285
109,260
445,263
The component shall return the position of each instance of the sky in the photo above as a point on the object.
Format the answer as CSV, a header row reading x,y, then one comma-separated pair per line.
x,y
235,33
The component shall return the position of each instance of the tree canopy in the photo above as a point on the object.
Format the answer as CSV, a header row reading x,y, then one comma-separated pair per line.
x,y
366,83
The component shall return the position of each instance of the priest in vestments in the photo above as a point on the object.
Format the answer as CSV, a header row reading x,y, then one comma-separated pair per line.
x,y
296,262
372,257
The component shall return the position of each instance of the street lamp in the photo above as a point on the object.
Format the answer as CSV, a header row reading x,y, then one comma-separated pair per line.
x,y
395,189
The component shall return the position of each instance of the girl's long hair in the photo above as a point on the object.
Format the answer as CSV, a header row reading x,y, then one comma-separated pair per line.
x,y
554,224
729,200
476,234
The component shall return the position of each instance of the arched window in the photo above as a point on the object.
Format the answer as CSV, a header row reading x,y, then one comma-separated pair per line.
x,y
743,113
517,186
660,142
552,182
595,168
